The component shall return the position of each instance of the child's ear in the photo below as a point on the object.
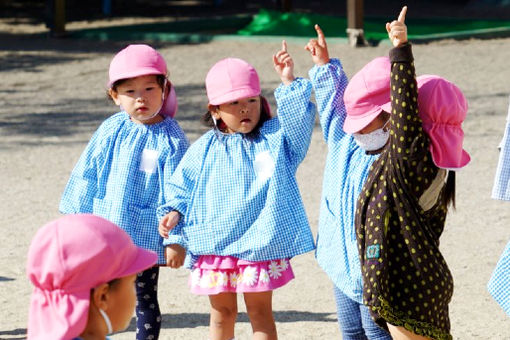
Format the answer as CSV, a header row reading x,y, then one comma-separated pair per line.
x,y
213,109
99,296
114,95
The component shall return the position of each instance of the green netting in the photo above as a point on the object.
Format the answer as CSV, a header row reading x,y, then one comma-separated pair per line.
x,y
301,24
275,25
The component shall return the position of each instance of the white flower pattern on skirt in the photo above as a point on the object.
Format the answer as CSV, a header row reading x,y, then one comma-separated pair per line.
x,y
229,276
275,270
250,276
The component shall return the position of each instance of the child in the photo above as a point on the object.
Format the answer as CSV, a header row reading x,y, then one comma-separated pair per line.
x,y
347,166
83,270
120,174
236,193
499,284
402,209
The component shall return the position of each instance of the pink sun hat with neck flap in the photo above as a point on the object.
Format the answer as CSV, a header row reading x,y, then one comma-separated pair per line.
x,y
142,60
442,109
367,94
66,259
231,79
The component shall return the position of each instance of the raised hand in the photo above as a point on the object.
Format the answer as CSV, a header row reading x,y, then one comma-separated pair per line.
x,y
318,48
168,222
397,29
284,65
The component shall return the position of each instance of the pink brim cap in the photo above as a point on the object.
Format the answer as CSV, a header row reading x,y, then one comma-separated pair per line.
x,y
135,61
231,79
367,94
66,259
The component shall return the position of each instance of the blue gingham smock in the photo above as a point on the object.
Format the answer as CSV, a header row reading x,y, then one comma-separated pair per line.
x,y
346,170
499,284
239,197
120,176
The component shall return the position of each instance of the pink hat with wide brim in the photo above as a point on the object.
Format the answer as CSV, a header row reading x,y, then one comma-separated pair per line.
x,y
367,94
442,109
231,79
66,259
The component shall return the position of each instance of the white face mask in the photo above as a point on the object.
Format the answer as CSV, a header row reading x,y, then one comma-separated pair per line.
x,y
374,140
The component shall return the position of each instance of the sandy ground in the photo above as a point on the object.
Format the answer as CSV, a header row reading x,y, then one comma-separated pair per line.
x,y
52,99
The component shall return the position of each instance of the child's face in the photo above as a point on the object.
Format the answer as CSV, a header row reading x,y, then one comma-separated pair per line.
x,y
123,301
140,97
241,115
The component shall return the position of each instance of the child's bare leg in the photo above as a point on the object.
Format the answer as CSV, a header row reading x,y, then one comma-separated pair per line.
x,y
223,316
260,311
400,333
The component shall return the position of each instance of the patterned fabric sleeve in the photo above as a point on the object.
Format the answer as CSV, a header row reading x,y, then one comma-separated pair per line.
x,y
296,114
180,145
329,82
180,186
501,188
407,137
83,183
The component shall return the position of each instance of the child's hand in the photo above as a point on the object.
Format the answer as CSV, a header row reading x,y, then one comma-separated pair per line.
x,y
397,29
168,222
284,65
174,255
318,48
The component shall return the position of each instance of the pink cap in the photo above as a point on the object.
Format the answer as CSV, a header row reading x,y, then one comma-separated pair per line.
x,y
134,61
231,79
67,258
141,60
443,108
367,94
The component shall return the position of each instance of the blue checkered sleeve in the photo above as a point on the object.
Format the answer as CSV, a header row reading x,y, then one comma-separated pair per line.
x,y
82,186
296,114
499,283
501,188
329,82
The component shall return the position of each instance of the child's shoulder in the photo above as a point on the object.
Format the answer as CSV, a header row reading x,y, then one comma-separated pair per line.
x,y
114,121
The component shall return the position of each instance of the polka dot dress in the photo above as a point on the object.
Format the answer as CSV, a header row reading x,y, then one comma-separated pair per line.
x,y
406,280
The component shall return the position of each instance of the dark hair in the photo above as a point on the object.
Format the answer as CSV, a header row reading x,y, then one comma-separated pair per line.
x,y
265,115
160,78
449,196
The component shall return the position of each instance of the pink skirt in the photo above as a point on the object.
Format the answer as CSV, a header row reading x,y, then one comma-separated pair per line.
x,y
226,274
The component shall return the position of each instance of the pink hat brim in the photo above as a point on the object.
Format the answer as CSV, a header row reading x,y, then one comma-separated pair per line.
x,y
146,71
239,93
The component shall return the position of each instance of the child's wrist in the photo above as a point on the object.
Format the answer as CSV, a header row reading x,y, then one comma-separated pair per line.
x,y
288,80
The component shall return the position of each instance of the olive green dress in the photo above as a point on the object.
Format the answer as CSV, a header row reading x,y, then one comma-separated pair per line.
x,y
399,218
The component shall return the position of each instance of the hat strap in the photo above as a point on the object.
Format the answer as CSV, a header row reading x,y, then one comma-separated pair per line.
x,y
106,320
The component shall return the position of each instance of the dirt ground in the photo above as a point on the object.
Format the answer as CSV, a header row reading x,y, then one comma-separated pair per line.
x,y
52,98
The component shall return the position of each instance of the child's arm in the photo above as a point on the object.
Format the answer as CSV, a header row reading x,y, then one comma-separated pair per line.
x,y
329,82
296,113
79,193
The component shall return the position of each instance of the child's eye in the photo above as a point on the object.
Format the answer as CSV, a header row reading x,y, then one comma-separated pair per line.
x,y
130,91
253,100
149,89
234,103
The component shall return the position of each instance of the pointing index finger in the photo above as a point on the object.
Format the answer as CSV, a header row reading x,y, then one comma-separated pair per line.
x,y
284,46
402,15
320,35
